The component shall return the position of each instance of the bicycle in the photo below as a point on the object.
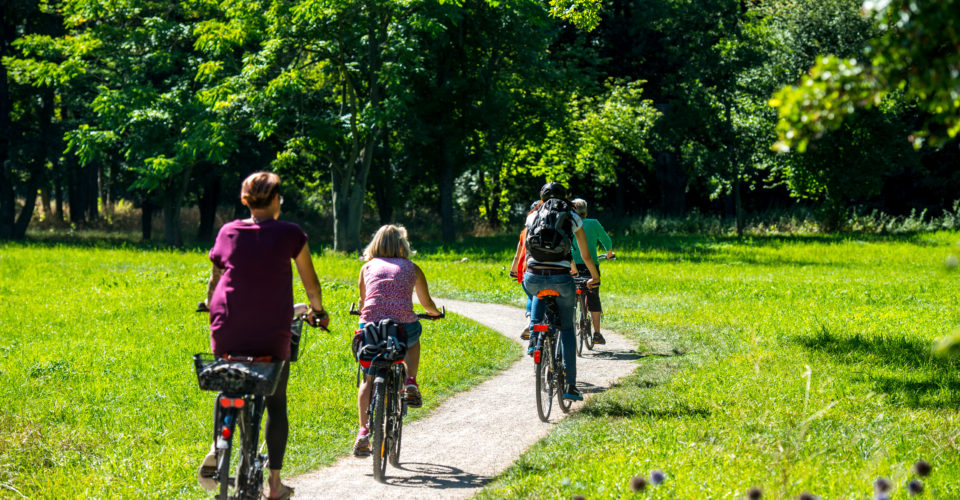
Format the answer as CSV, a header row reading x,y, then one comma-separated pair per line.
x,y
387,405
582,314
548,358
243,383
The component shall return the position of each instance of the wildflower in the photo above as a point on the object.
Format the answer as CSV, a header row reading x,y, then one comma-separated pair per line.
x,y
806,495
755,493
881,485
922,468
657,476
915,487
579,497
638,483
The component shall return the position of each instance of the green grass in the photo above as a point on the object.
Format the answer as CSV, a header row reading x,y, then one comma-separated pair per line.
x,y
734,331
98,396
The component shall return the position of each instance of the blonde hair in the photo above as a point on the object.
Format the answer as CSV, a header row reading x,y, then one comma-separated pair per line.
x,y
259,188
390,241
580,206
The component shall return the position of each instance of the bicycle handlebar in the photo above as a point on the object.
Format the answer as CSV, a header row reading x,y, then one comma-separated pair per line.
x,y
443,313
202,308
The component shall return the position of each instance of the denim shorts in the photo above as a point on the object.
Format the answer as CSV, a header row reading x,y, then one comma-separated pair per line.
x,y
413,331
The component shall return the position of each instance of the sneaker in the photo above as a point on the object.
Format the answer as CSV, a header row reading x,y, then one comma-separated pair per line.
x,y
361,447
208,468
572,393
525,334
598,338
411,393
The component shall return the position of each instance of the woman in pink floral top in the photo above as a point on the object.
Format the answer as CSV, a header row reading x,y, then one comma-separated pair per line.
x,y
387,282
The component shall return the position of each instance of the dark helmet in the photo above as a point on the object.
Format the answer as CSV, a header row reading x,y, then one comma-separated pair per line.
x,y
552,190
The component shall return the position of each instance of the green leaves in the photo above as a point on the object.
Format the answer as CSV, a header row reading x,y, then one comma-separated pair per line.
x,y
916,51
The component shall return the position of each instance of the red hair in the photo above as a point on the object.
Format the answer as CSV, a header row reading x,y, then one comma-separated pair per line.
x,y
259,189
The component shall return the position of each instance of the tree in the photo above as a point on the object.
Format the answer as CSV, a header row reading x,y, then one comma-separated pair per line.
x,y
914,53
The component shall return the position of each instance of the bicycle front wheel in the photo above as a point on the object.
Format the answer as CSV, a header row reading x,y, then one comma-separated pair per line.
x,y
380,445
544,384
586,336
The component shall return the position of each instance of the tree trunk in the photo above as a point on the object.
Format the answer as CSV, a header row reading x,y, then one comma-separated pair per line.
x,y
93,197
493,208
146,220
30,202
208,208
447,230
383,184
45,200
75,194
58,195
171,210
7,203
101,191
737,183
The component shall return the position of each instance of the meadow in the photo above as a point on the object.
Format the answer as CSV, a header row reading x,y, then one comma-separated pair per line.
x,y
791,364
788,363
99,398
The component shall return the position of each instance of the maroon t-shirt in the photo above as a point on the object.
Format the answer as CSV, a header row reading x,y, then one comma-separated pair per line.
x,y
253,302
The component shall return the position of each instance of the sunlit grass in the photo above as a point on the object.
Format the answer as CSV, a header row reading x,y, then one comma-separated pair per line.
x,y
735,332
99,397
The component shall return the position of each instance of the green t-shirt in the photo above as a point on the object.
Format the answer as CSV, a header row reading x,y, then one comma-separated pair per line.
x,y
595,234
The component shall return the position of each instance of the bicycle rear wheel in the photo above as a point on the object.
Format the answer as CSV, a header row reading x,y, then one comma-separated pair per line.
x,y
544,385
559,379
380,445
223,472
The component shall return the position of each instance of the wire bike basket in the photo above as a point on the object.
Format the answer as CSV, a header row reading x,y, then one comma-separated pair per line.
x,y
218,374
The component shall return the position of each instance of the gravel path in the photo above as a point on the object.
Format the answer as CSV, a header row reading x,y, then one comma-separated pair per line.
x,y
474,435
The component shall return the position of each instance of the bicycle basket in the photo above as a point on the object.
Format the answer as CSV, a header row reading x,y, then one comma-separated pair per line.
x,y
217,374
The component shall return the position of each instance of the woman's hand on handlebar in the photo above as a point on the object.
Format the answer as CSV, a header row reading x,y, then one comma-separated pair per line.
x,y
317,318
593,283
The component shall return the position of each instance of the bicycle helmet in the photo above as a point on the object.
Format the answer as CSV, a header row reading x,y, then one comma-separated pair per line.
x,y
552,190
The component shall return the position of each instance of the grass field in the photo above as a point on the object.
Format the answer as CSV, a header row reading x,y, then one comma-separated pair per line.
x,y
98,396
791,364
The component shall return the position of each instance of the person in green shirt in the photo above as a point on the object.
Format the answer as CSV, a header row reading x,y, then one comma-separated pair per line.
x,y
595,234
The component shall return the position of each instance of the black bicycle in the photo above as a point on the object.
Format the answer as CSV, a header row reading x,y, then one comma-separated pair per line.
x,y
387,405
548,357
582,315
243,382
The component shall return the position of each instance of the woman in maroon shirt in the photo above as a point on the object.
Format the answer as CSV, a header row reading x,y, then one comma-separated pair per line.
x,y
250,297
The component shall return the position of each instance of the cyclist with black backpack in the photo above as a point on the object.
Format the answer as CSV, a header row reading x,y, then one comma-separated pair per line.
x,y
550,232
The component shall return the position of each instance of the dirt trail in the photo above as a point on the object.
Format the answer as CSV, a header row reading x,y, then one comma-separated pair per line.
x,y
474,435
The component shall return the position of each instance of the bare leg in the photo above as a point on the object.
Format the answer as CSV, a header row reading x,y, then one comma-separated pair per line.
x,y
595,317
273,484
363,400
412,360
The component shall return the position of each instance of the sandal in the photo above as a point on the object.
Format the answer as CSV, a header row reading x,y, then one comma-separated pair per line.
x,y
287,493
208,469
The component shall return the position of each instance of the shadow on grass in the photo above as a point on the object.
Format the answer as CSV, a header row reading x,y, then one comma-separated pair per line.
x,y
903,368
630,398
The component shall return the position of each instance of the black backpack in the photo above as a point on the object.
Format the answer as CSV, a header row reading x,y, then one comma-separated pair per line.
x,y
383,341
550,232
